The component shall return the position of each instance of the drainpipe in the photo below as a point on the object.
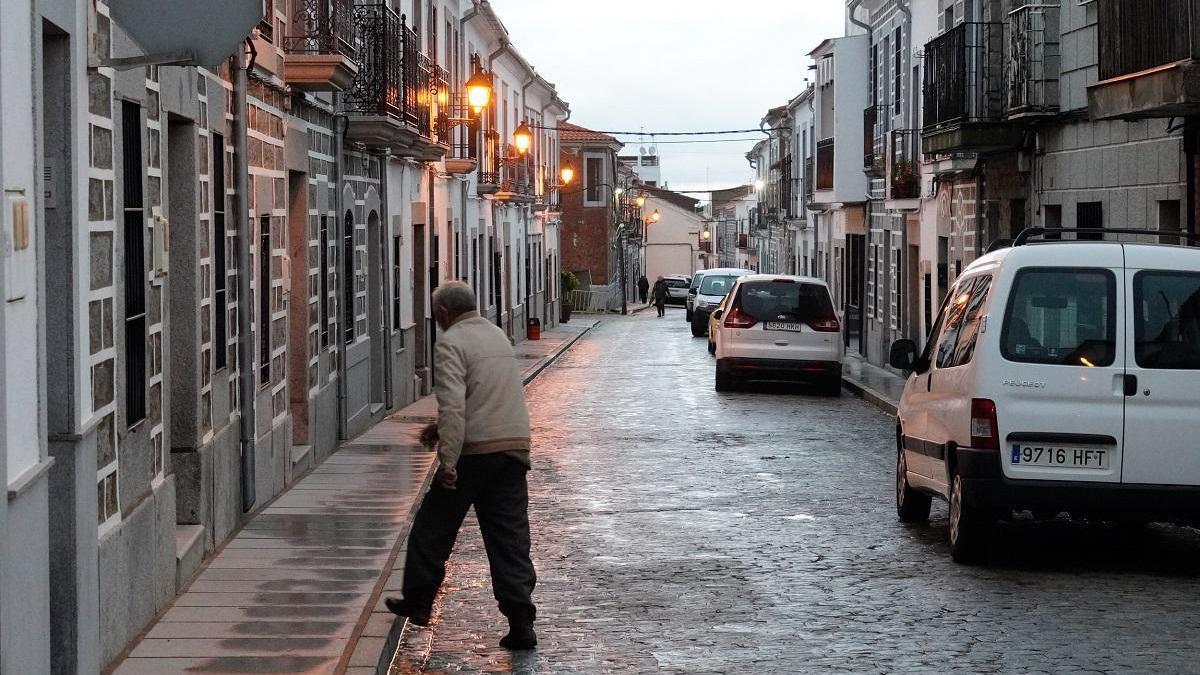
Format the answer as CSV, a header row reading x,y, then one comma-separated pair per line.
x,y
245,301
1189,149
850,9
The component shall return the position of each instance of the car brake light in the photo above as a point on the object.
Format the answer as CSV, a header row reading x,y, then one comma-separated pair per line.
x,y
829,325
736,318
985,433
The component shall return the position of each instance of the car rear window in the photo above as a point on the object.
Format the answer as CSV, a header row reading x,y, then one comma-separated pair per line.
x,y
1062,317
677,283
1167,320
785,301
717,285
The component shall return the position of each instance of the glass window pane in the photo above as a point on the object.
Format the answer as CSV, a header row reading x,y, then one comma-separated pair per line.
x,y
1167,320
1062,317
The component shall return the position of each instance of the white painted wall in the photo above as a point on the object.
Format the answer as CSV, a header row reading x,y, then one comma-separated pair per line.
x,y
18,162
672,243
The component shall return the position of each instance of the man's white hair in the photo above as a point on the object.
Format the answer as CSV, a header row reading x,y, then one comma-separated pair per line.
x,y
455,297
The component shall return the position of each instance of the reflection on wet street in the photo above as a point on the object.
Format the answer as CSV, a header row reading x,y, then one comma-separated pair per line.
x,y
681,530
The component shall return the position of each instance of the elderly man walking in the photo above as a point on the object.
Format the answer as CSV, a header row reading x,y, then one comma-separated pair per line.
x,y
482,438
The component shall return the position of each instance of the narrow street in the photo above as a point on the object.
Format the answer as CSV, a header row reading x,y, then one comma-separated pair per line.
x,y
679,530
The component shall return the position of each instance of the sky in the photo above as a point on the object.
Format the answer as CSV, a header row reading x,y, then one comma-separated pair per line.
x,y
674,65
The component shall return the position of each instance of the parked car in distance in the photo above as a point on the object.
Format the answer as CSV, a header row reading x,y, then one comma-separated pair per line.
x,y
677,288
779,328
714,324
704,297
688,303
1058,376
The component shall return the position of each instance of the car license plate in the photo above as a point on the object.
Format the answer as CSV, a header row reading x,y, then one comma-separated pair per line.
x,y
783,325
1055,456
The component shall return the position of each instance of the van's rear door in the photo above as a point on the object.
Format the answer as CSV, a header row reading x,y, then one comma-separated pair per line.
x,y
1060,401
1162,412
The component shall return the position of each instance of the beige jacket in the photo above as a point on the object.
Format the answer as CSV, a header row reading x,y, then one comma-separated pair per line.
x,y
480,395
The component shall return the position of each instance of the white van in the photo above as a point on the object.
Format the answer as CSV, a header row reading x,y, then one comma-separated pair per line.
x,y
776,328
1058,376
709,287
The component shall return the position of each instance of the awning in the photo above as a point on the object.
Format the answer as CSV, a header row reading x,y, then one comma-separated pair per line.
x,y
210,30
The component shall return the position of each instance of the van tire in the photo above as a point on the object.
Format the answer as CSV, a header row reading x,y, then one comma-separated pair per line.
x,y
699,328
969,526
912,506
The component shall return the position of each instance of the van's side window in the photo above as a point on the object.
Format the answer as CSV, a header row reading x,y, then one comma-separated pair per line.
x,y
1167,320
964,317
934,332
1062,316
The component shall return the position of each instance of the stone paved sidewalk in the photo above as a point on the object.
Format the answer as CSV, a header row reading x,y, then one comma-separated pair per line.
x,y
299,588
878,386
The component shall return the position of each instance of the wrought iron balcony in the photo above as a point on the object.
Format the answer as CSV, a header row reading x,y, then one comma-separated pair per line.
x,y
516,177
392,99
1149,51
464,138
489,165
320,46
903,172
1032,66
825,164
808,183
964,98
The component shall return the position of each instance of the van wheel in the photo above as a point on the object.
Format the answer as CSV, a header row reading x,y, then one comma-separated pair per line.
x,y
969,526
699,328
911,506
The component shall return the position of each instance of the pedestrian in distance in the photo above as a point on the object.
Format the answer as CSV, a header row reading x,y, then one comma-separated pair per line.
x,y
482,439
643,288
660,296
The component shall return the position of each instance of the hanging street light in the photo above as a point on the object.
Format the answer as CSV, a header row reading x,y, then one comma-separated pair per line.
x,y
523,138
654,217
641,201
566,174
479,91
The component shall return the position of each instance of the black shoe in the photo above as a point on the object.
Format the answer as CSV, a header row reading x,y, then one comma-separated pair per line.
x,y
399,607
520,636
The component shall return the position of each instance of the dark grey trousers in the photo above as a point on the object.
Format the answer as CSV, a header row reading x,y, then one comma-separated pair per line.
x,y
495,485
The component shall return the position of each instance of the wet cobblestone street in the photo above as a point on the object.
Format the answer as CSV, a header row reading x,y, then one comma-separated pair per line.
x,y
676,529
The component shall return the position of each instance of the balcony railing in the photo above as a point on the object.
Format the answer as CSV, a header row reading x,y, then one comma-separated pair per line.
x,y
441,94
904,178
381,40
1135,35
964,76
1032,66
465,137
825,164
808,183
516,175
321,27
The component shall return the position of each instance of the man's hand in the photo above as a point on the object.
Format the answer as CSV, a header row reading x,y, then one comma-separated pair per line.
x,y
447,477
429,436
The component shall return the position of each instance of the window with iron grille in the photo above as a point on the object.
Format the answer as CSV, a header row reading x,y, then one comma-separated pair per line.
x,y
898,45
264,300
396,282
220,304
325,303
135,265
348,278
1090,216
